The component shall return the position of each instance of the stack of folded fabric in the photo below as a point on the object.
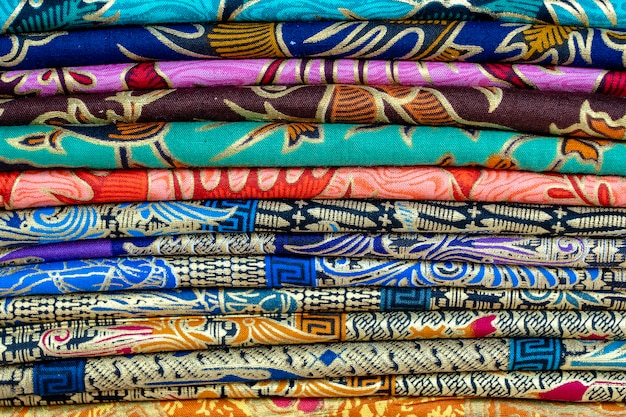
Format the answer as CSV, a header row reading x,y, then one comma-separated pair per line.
x,y
244,207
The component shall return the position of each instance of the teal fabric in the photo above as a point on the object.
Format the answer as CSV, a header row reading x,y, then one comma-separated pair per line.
x,y
45,15
211,144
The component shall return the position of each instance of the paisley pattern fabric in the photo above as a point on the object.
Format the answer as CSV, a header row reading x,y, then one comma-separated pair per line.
x,y
45,15
575,115
308,71
112,337
331,407
415,40
398,183
345,359
575,252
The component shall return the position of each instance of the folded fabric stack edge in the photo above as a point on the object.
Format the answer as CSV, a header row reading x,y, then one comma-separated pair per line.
x,y
279,208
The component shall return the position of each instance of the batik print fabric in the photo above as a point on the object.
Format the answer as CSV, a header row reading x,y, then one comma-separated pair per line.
x,y
17,311
113,337
63,187
297,144
300,298
333,360
575,115
226,72
571,386
153,273
432,40
405,183
502,249
135,220
380,406
46,15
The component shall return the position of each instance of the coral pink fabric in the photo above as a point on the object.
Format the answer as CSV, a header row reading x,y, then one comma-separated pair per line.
x,y
62,187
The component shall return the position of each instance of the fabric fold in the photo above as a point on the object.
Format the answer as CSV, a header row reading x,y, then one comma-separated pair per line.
x,y
299,144
555,251
153,273
308,71
319,219
565,386
428,40
263,363
18,16
62,187
16,311
543,113
333,407
113,337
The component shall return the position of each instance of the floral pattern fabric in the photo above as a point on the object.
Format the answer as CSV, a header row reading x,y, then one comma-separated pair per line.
x,y
573,115
45,15
307,71
299,144
392,199
432,40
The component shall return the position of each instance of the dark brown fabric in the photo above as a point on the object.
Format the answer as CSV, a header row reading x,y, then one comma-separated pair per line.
x,y
582,115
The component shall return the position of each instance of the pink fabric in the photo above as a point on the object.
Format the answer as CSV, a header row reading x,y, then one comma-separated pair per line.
x,y
61,187
109,78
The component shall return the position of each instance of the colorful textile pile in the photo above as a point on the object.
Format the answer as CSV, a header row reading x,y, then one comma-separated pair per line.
x,y
244,207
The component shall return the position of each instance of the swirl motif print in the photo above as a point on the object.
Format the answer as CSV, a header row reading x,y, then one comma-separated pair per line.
x,y
331,360
429,40
310,200
112,337
45,15
120,274
308,71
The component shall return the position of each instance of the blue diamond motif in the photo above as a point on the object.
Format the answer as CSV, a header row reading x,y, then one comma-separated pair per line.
x,y
328,357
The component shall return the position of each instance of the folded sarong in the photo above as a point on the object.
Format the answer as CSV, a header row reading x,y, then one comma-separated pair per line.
x,y
578,115
574,252
566,386
110,337
301,144
153,273
333,360
52,188
21,16
431,40
135,220
16,311
226,72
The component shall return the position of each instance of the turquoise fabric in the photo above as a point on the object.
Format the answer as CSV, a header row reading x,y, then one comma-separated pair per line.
x,y
215,144
46,15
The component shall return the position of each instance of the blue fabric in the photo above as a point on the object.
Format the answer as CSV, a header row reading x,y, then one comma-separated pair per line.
x,y
455,40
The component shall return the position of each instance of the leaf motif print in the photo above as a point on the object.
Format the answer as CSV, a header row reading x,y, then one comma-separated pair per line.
x,y
19,47
586,149
44,16
295,134
569,10
594,124
121,137
245,40
544,37
79,112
